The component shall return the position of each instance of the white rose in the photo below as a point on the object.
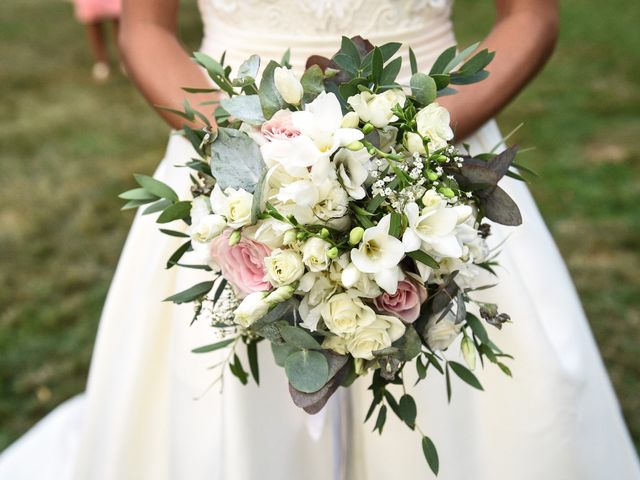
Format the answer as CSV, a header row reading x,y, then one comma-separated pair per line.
x,y
314,254
441,334
376,108
379,334
283,267
335,343
288,85
207,228
345,313
413,142
253,307
233,204
433,122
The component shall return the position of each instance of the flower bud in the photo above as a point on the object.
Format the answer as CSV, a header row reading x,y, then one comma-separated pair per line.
x,y
324,233
367,129
280,294
356,235
414,143
433,176
301,235
332,252
441,158
289,237
350,120
447,192
355,146
288,85
468,350
234,238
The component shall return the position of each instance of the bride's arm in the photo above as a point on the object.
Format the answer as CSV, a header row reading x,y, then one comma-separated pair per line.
x,y
155,59
523,38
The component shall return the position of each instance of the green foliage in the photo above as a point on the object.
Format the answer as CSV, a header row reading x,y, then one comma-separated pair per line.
x,y
307,370
237,161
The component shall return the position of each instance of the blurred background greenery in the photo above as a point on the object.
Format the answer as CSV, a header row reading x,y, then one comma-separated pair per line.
x,y
69,146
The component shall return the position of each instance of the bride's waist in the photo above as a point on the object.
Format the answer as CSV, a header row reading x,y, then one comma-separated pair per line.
x,y
426,41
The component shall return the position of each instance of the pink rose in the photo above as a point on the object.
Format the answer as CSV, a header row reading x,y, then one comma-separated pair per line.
x,y
280,127
241,264
405,303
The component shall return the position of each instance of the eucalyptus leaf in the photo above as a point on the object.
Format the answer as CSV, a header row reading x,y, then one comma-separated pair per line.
x,y
465,374
249,68
312,83
424,258
214,346
244,107
299,338
408,410
307,370
177,211
178,254
391,71
430,454
270,98
156,187
138,194
423,88
409,345
339,368
281,351
443,60
460,57
158,206
191,294
252,355
237,161
501,208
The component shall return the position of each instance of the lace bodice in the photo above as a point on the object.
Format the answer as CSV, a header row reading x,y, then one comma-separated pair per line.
x,y
324,17
268,28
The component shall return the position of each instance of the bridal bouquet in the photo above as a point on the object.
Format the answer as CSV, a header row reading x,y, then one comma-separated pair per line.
x,y
340,225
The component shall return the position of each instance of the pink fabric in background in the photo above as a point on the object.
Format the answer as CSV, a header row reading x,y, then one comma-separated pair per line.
x,y
88,11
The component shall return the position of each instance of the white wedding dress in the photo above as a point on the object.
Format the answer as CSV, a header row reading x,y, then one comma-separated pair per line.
x,y
556,419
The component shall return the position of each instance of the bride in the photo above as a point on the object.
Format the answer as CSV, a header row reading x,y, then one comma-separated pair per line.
x,y
145,414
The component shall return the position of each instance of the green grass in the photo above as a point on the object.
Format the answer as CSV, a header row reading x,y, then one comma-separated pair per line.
x,y
68,147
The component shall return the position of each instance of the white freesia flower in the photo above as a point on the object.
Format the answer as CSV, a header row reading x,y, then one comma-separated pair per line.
x,y
345,313
413,142
200,208
353,170
431,199
379,334
376,108
433,122
379,253
317,287
234,205
442,333
432,231
344,272
296,155
350,120
253,307
314,254
288,85
283,267
321,121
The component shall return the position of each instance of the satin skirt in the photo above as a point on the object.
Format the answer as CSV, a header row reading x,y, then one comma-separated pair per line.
x,y
148,412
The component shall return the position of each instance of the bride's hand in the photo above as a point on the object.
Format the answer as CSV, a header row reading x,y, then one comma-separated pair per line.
x,y
523,38
155,59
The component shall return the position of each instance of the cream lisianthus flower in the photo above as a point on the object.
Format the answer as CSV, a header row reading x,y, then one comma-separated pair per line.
x,y
317,287
433,122
283,267
442,333
345,313
234,205
379,334
288,85
376,108
379,253
314,254
353,170
253,307
321,121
